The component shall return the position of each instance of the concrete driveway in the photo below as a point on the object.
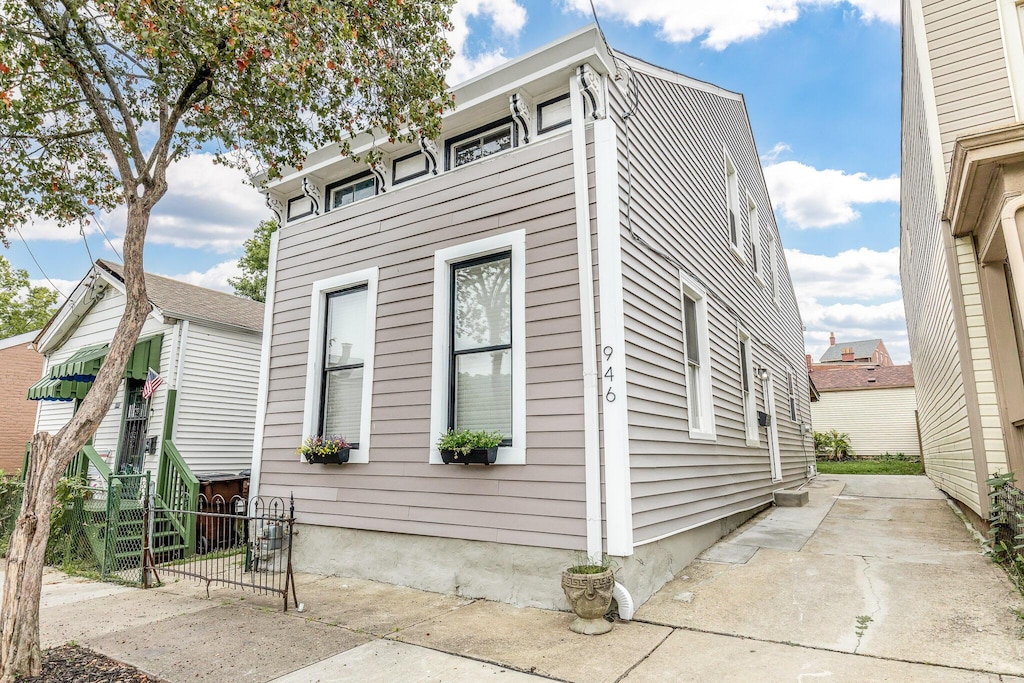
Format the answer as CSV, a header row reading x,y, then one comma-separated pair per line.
x,y
876,580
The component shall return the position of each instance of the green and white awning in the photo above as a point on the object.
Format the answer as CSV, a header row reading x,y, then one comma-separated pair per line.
x,y
72,379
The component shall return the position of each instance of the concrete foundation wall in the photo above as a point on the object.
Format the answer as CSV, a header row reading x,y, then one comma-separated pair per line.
x,y
525,576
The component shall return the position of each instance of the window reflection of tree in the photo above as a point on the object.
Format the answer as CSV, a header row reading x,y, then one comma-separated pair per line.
x,y
483,309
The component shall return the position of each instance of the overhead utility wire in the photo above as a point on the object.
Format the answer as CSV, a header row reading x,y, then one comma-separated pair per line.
x,y
633,92
47,277
104,233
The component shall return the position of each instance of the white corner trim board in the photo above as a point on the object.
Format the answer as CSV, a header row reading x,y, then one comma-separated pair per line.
x,y
315,355
613,401
514,241
264,385
592,443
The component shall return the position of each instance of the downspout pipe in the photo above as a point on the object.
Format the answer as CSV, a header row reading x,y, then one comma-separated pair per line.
x,y
588,333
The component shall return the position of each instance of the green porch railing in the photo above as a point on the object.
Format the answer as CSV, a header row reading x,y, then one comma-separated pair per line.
x,y
78,468
177,492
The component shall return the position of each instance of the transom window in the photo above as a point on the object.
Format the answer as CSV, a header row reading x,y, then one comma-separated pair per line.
x,y
347,192
480,367
344,357
479,144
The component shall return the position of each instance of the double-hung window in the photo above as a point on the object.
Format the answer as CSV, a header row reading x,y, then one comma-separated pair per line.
x,y
773,266
747,386
700,411
480,143
339,375
479,368
754,222
792,395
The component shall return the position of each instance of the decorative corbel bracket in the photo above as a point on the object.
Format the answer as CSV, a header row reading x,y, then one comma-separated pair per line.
x,y
277,207
590,85
520,105
312,189
380,170
430,152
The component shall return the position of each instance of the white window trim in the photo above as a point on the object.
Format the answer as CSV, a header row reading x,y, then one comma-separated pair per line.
x,y
706,430
750,400
773,261
344,186
754,225
452,142
443,259
732,203
314,360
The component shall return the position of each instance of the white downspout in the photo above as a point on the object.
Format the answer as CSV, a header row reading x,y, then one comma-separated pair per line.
x,y
261,395
591,437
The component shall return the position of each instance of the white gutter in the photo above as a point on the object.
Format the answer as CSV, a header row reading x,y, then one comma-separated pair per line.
x,y
264,387
591,436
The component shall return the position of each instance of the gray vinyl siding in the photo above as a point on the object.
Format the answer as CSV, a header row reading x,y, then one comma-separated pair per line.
x,y
972,89
540,503
679,204
924,271
217,398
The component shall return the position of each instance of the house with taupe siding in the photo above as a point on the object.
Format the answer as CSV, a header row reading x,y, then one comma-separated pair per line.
x,y
961,259
585,260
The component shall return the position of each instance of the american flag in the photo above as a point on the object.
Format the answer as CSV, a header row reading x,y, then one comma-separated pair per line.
x,y
153,381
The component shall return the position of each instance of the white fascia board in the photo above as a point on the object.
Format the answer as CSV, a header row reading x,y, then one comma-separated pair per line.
x,y
618,492
672,77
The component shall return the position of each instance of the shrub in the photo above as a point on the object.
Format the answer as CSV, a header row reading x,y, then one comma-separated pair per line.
x,y
832,445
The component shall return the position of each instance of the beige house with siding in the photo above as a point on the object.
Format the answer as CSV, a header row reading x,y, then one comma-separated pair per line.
x,y
962,212
586,260
874,404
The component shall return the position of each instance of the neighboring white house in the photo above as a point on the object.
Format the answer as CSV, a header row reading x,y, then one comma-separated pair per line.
x,y
586,260
875,405
204,344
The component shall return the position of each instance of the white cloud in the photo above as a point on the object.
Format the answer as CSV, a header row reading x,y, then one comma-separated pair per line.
x,y
818,198
207,206
775,152
214,278
855,294
507,19
723,23
63,287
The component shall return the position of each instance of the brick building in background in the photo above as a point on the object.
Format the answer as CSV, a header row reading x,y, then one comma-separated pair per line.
x,y
20,367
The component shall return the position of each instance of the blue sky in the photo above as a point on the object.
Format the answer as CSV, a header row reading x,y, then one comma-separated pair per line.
x,y
821,80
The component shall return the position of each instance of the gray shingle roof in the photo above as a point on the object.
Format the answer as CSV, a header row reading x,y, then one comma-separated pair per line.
x,y
190,302
861,349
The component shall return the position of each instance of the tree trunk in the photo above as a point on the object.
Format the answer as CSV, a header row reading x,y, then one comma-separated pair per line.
x,y
50,455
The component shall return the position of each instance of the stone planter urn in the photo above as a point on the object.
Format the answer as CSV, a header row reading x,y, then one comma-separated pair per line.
x,y
590,596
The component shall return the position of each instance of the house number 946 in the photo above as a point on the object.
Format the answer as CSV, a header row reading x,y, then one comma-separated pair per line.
x,y
609,374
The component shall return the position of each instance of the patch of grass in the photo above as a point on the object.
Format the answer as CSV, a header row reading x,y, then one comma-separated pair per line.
x,y
869,467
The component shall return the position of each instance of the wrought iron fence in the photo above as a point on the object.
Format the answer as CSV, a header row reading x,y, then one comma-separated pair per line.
x,y
97,529
244,545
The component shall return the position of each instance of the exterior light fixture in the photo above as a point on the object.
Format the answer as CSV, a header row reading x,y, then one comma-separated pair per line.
x,y
763,373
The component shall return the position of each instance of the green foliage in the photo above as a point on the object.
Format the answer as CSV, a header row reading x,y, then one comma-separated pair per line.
x,y
586,565
464,440
252,283
23,308
97,97
1007,547
832,445
321,446
899,457
868,467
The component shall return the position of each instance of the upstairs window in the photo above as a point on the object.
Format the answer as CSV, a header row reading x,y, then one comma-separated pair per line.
x,y
792,395
773,267
480,143
732,196
754,225
351,190
700,412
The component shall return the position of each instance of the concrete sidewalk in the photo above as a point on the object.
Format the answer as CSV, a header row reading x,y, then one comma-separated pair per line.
x,y
876,580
